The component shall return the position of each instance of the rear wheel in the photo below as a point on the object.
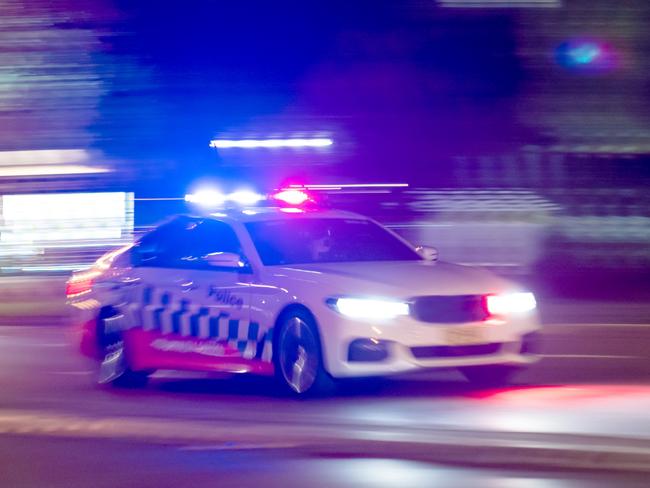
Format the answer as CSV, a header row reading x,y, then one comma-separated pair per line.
x,y
298,356
496,375
113,363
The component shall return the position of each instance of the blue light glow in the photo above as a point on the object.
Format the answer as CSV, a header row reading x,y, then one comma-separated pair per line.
x,y
209,197
585,55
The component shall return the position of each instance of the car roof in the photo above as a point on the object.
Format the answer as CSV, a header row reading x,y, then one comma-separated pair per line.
x,y
257,214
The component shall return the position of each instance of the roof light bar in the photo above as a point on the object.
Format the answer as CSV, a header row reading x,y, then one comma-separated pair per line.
x,y
245,197
214,198
270,143
292,196
340,186
206,198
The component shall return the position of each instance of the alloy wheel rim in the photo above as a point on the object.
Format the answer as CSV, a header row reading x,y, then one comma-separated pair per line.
x,y
298,355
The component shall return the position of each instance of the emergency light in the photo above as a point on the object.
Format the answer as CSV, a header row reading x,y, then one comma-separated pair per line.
x,y
213,198
292,196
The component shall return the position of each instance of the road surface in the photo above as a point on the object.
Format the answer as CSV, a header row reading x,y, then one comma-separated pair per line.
x,y
73,463
591,390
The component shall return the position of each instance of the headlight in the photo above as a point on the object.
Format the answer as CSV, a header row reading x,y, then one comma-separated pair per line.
x,y
510,303
369,308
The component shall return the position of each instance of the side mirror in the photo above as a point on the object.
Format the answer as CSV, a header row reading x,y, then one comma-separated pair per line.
x,y
225,260
427,252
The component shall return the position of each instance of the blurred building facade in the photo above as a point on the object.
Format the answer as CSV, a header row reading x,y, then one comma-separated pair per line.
x,y
532,122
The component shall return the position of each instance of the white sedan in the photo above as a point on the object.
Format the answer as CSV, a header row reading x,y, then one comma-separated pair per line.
x,y
307,295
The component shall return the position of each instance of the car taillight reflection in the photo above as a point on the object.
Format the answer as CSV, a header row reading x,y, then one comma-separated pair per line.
x,y
81,283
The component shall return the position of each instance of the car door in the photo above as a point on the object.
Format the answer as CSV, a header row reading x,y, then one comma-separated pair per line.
x,y
189,310
220,292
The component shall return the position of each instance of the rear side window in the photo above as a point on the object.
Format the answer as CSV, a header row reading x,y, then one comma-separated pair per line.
x,y
185,242
206,237
159,247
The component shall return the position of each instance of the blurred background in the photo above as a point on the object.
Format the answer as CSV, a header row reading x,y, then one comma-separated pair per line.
x,y
521,127
511,134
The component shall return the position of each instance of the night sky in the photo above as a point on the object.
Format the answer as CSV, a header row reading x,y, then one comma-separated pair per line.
x,y
403,87
397,86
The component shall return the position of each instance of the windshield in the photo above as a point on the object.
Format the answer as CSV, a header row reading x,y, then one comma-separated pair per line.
x,y
326,241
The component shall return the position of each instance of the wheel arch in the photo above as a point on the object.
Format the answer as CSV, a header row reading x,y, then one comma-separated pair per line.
x,y
295,307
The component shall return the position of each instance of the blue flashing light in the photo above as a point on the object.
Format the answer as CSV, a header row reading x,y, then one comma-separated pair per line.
x,y
213,198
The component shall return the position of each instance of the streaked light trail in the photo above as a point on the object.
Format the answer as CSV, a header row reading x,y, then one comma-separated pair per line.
x,y
270,143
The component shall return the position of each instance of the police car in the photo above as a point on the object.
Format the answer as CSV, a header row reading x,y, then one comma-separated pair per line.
x,y
303,293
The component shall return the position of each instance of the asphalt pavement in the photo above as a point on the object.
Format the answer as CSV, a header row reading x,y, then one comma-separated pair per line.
x,y
82,463
582,407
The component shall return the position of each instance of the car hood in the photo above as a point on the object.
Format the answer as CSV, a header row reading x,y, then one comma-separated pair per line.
x,y
397,278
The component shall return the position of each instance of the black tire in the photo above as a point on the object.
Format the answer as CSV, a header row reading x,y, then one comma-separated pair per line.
x,y
298,358
113,368
490,376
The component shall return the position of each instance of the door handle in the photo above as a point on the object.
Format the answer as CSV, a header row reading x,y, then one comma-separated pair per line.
x,y
188,285
122,284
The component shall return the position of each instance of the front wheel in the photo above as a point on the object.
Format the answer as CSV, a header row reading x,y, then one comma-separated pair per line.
x,y
496,375
298,356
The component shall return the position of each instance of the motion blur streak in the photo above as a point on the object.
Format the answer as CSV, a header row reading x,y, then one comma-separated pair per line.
x,y
51,231
270,143
510,134
54,169
43,156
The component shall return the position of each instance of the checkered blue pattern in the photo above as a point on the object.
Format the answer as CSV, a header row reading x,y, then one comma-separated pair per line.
x,y
156,310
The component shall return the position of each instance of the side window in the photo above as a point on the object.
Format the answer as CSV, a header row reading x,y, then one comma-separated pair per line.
x,y
205,238
184,243
159,248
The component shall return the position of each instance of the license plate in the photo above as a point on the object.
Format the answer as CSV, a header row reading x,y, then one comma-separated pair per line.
x,y
465,335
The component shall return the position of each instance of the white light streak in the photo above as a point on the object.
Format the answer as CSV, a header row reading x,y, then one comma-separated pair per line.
x,y
49,170
271,143
36,224
43,157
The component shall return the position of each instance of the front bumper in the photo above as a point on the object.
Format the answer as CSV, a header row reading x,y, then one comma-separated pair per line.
x,y
353,348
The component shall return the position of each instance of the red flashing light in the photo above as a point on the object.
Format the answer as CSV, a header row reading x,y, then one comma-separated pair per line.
x,y
509,303
292,196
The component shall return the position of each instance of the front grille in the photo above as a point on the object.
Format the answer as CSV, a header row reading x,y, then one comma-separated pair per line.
x,y
424,352
454,309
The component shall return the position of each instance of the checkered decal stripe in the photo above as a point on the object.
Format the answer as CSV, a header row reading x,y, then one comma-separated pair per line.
x,y
155,310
